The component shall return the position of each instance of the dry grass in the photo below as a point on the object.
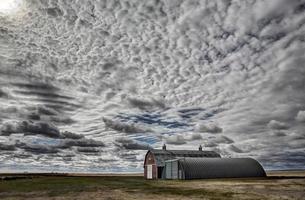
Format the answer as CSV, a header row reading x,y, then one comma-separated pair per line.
x,y
280,185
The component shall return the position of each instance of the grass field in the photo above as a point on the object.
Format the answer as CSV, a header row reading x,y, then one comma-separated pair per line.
x,y
279,185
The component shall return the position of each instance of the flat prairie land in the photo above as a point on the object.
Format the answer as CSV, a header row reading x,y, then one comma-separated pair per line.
x,y
278,185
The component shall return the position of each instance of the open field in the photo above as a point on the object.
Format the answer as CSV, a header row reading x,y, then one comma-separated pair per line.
x,y
279,185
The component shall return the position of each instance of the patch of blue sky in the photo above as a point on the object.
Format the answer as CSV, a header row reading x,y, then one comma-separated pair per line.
x,y
45,141
177,131
146,139
152,119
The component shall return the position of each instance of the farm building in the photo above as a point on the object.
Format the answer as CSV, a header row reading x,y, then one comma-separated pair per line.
x,y
185,164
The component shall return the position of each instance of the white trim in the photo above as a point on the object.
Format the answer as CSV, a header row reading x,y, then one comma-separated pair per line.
x,y
149,171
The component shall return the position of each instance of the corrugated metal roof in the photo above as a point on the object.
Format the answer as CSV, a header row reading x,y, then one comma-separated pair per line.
x,y
164,155
193,168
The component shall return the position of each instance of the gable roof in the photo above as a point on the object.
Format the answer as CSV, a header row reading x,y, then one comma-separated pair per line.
x,y
163,155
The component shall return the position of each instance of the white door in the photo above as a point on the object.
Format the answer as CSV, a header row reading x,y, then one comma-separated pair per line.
x,y
149,171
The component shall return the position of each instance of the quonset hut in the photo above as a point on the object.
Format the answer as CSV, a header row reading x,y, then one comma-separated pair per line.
x,y
184,164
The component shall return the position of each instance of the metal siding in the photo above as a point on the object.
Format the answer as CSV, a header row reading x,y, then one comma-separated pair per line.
x,y
221,168
180,174
168,172
175,169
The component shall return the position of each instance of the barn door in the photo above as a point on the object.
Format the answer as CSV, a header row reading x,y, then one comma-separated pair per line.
x,y
149,171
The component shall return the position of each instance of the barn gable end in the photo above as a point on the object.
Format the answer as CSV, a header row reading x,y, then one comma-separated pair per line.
x,y
155,160
150,167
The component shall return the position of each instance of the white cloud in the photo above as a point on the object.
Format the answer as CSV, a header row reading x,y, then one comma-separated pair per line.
x,y
300,116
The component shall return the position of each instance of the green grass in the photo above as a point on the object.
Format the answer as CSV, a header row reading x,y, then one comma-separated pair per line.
x,y
56,186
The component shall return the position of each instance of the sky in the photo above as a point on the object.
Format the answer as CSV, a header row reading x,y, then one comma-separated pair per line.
x,y
91,85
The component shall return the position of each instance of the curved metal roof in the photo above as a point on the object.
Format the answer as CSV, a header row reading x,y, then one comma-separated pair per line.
x,y
220,168
163,155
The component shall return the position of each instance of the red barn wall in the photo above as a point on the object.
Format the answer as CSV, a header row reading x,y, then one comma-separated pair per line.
x,y
150,160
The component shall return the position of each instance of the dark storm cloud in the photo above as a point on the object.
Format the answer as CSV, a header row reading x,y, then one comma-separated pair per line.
x,y
283,160
37,148
88,149
44,93
54,12
7,147
36,128
3,94
37,86
131,144
33,116
123,127
26,127
83,142
67,134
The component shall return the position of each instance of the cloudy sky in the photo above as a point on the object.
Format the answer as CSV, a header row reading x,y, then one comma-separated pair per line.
x,y
89,86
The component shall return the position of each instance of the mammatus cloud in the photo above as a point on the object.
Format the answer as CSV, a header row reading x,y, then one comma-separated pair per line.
x,y
91,85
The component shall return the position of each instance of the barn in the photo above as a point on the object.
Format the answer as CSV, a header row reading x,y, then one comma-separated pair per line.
x,y
154,162
189,164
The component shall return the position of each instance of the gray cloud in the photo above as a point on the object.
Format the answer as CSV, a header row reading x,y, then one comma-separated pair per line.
x,y
208,128
67,134
273,124
235,149
83,142
123,127
30,128
176,140
180,139
3,94
37,148
130,144
88,149
37,128
7,147
146,105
